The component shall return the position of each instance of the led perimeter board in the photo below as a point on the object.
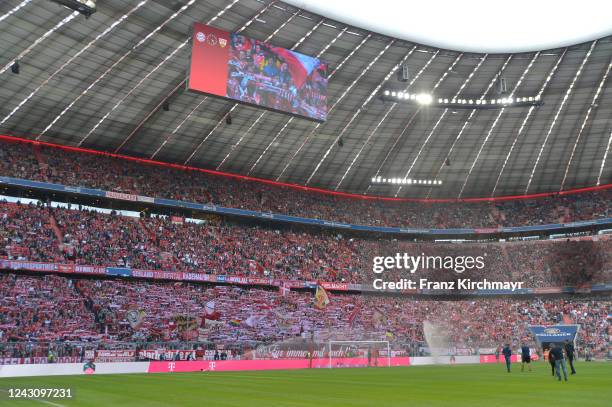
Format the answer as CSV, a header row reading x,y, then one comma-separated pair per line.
x,y
253,72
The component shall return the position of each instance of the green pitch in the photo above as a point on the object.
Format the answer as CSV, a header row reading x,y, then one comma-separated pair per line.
x,y
427,386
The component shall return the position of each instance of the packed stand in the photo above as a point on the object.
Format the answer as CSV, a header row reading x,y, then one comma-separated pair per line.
x,y
123,311
112,174
87,237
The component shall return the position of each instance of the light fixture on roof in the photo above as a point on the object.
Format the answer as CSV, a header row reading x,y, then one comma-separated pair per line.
x,y
404,181
424,98
85,7
467,103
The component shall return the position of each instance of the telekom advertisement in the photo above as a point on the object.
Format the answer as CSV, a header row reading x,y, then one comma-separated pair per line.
x,y
265,364
250,71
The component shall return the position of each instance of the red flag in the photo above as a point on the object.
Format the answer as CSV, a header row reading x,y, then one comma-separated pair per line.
x,y
353,316
255,267
300,66
321,298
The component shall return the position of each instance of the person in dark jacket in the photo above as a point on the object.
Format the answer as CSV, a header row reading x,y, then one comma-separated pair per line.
x,y
570,352
557,353
507,352
525,357
551,360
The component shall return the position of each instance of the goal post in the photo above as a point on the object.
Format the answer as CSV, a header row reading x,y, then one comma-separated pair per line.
x,y
367,350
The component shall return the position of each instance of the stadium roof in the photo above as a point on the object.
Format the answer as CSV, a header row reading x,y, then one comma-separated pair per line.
x,y
476,25
101,83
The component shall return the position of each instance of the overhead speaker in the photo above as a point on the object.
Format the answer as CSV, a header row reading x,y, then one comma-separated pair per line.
x,y
502,89
228,119
166,106
402,73
15,67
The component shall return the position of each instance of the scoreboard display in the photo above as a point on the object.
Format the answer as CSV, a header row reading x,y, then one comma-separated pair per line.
x,y
236,67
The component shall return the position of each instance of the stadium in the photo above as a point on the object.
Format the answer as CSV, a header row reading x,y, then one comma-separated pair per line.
x,y
305,202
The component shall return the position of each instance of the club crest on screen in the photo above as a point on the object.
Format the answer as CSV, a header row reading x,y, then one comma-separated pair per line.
x,y
211,39
200,36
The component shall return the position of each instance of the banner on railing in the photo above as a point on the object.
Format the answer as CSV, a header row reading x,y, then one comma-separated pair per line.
x,y
220,210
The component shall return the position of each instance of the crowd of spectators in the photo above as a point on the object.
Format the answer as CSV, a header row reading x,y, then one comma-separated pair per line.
x,y
34,309
87,237
42,308
120,175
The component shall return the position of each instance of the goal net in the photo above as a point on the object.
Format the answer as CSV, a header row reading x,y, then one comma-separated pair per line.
x,y
359,354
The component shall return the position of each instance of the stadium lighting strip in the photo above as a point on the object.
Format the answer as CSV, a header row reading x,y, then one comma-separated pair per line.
x,y
117,62
278,133
405,181
473,112
388,112
463,85
40,39
565,98
235,106
584,122
499,114
391,72
429,61
14,10
603,161
72,58
365,102
346,91
542,89
176,129
481,103
145,77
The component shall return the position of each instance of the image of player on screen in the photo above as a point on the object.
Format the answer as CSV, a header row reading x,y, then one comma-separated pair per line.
x,y
276,78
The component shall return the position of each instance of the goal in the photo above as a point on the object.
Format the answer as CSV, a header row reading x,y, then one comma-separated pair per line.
x,y
358,353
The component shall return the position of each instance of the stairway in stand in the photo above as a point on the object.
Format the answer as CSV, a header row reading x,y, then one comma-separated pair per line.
x,y
42,164
55,228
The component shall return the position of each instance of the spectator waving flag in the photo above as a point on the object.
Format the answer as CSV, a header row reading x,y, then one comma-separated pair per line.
x,y
353,316
321,298
284,290
135,318
255,267
300,66
210,312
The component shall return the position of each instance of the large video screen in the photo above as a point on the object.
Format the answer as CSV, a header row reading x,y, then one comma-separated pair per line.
x,y
250,71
